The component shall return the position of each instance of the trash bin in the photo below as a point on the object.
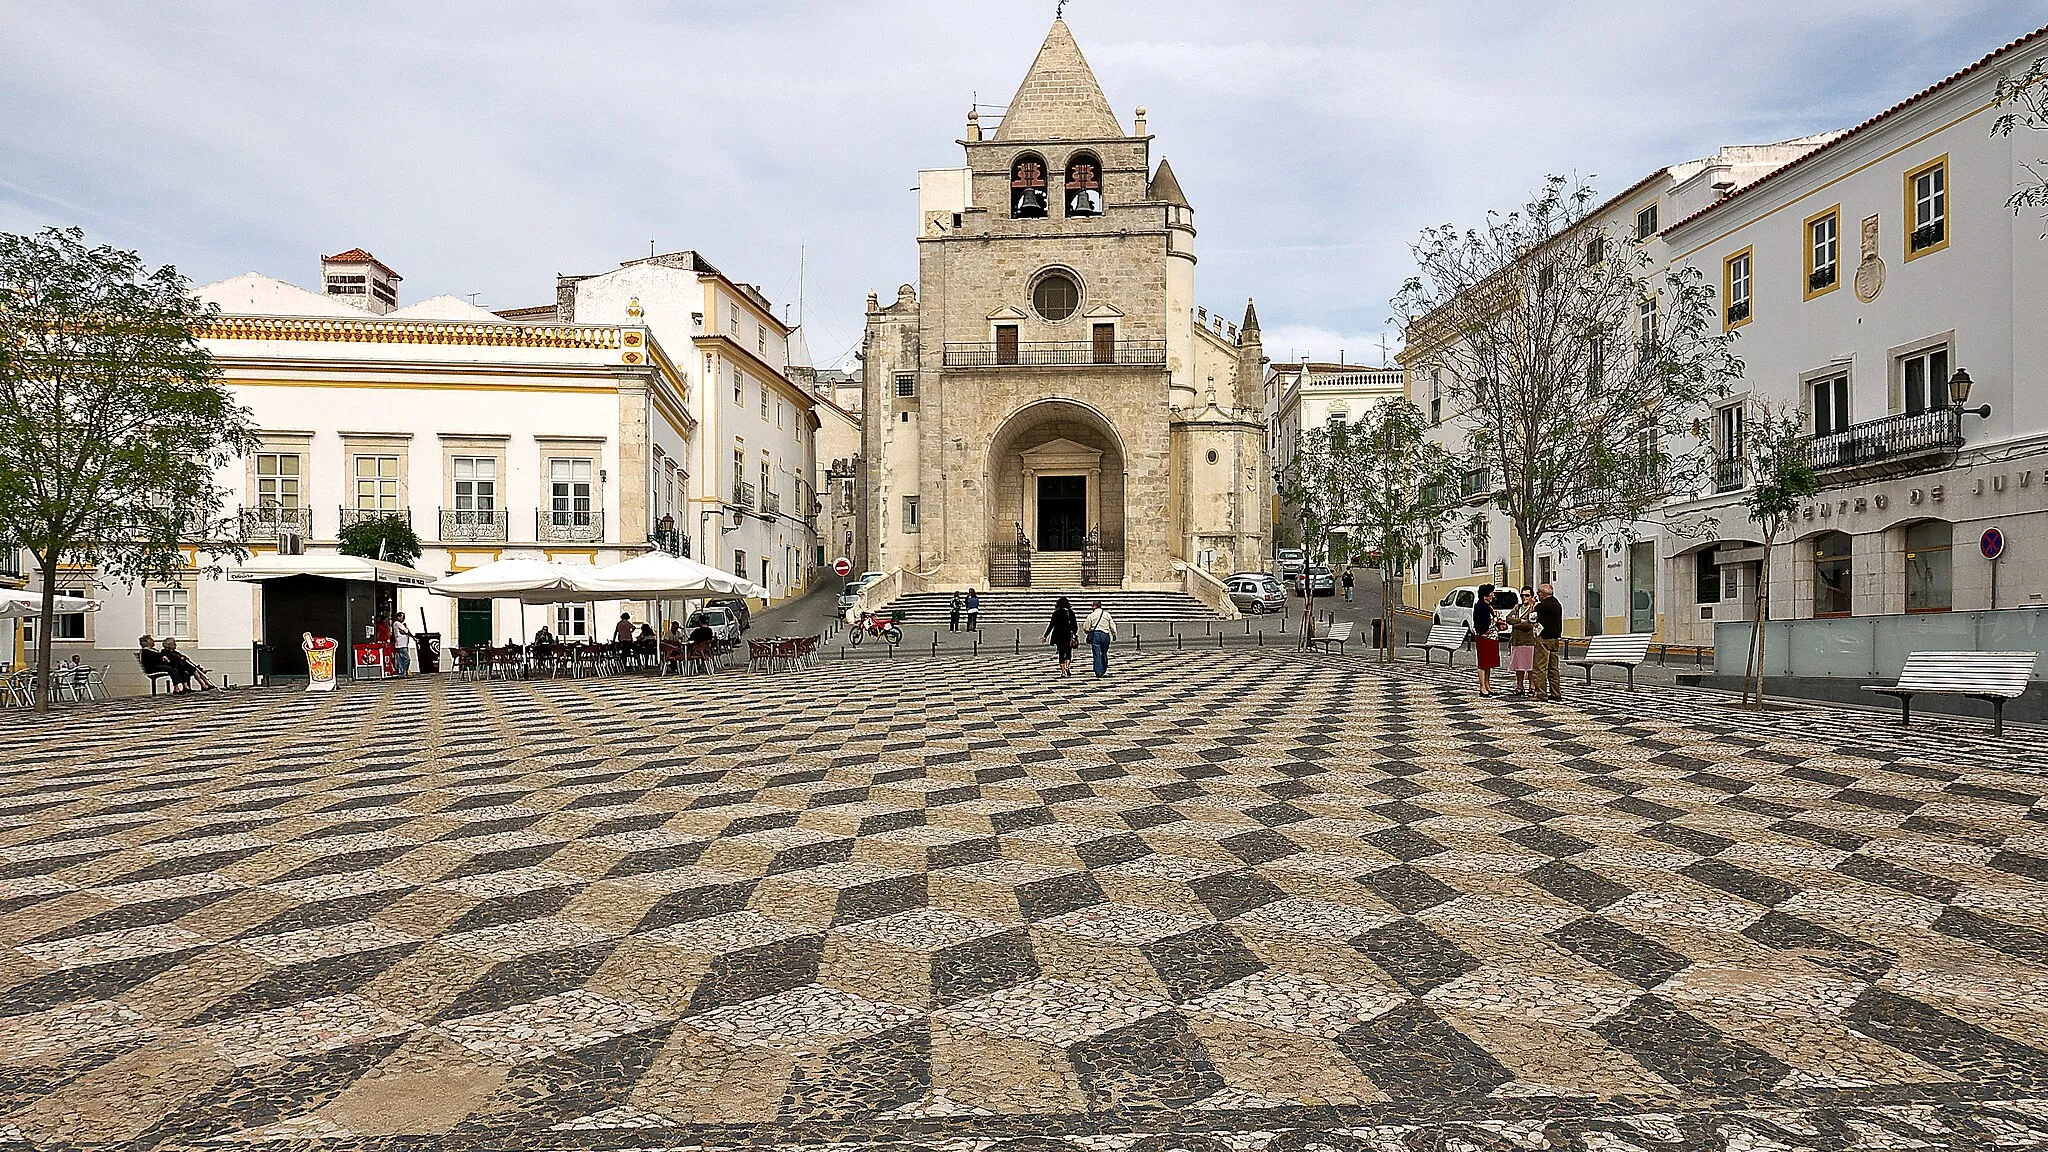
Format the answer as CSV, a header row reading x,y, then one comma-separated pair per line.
x,y
1377,624
430,651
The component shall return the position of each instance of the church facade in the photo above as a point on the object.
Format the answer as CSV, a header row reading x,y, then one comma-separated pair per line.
x,y
1047,406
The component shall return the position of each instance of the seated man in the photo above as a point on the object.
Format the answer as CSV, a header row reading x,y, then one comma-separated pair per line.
x,y
182,668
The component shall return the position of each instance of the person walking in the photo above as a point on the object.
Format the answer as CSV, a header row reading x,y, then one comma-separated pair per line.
x,y
973,610
401,645
1521,623
1485,642
1061,632
953,623
1348,581
1100,628
1546,682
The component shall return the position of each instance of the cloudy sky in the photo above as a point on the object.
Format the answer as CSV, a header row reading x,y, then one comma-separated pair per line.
x,y
481,148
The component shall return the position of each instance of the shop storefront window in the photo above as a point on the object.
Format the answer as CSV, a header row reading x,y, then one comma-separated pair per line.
x,y
1930,585
1831,571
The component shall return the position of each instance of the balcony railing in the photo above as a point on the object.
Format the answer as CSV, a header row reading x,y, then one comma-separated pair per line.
x,y
1475,485
353,516
670,541
559,526
771,503
266,521
1056,353
1894,444
743,495
1729,475
474,524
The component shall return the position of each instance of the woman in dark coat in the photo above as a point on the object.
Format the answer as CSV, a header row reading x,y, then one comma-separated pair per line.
x,y
1061,632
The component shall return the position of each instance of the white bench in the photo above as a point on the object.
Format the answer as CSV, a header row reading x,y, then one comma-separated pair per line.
x,y
1624,651
1992,676
1339,634
1445,637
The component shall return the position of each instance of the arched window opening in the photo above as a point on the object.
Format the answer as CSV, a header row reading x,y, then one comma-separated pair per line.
x,y
1930,577
1084,186
1831,572
1027,188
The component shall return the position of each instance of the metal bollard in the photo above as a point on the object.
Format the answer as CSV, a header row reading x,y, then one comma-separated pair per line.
x,y
1176,640
1138,635
1017,645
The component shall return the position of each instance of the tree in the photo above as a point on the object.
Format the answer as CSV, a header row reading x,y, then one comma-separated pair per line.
x,y
2027,95
1407,492
381,538
1572,364
1774,455
113,425
1320,484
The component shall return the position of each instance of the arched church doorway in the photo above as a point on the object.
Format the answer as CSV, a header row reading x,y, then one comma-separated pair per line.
x,y
1056,513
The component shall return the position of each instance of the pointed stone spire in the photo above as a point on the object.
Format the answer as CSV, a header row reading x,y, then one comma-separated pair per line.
x,y
1165,188
1059,99
1250,327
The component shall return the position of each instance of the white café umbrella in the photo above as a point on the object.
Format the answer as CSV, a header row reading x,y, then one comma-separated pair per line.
x,y
524,579
29,605
658,575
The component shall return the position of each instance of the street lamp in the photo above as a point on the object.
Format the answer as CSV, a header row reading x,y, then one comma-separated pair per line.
x,y
1959,395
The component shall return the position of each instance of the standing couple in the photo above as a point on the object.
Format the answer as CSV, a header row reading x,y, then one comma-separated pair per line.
x,y
1099,628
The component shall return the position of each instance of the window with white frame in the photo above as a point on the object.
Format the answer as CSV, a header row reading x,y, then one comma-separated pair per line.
x,y
1928,188
1923,379
1829,399
733,319
1436,553
569,490
1646,322
1478,532
739,386
906,385
572,621
476,485
1736,282
764,399
277,480
1646,222
1823,251
170,613
767,478
376,483
761,340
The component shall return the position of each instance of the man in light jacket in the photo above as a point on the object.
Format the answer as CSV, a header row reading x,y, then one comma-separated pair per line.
x,y
1100,629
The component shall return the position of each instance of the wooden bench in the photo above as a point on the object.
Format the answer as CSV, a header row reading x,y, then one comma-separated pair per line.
x,y
1339,634
1625,651
1992,676
1446,637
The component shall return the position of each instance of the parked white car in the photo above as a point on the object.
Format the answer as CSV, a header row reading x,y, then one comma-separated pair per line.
x,y
725,626
1456,606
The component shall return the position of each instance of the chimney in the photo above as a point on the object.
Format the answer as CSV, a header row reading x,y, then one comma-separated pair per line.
x,y
358,278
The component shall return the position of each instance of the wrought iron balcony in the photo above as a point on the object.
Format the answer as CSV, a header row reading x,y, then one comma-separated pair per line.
x,y
1893,445
671,541
743,495
563,525
771,503
1056,353
1729,475
353,516
265,521
1475,486
474,524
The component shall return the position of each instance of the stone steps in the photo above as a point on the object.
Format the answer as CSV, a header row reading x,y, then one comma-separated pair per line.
x,y
1032,607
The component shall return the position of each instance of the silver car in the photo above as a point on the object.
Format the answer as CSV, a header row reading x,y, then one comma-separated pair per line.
x,y
1318,581
1257,593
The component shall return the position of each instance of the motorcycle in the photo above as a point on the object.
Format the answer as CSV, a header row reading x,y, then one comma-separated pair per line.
x,y
873,625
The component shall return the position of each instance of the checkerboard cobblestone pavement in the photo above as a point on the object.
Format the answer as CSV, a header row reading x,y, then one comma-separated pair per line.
x,y
1241,901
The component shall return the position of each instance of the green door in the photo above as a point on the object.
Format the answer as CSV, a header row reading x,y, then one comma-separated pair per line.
x,y
472,623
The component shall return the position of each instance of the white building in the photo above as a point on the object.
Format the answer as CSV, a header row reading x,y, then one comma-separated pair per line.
x,y
1863,277
746,494
1605,587
488,436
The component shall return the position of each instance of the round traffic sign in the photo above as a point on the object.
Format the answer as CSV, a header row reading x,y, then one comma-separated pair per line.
x,y
842,566
1991,543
